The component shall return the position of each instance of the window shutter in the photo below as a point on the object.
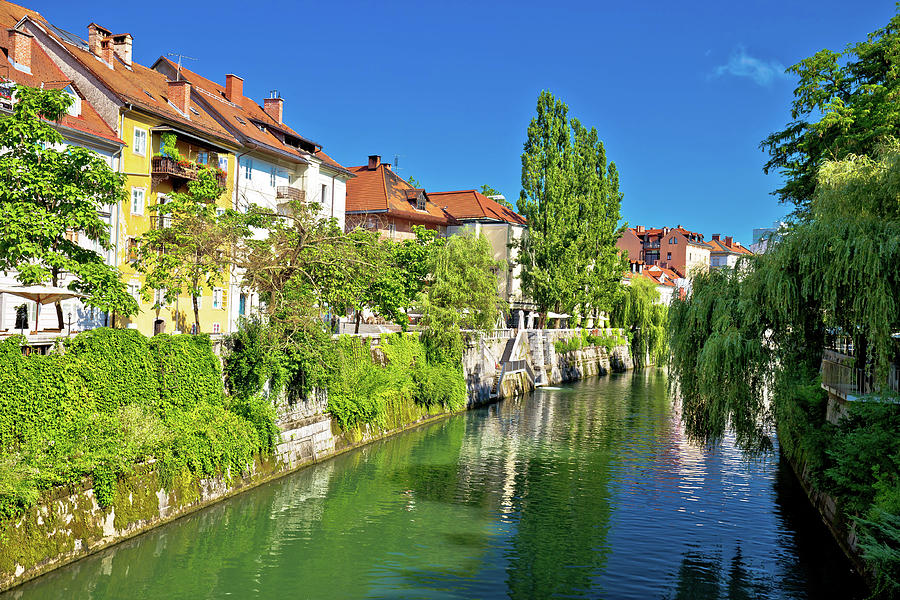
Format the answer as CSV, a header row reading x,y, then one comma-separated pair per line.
x,y
224,298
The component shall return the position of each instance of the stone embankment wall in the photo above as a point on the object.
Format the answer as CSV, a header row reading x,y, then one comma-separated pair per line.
x,y
68,523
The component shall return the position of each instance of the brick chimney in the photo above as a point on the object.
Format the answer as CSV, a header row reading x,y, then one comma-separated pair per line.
x,y
106,52
122,43
234,89
728,240
715,237
274,107
95,36
374,161
639,229
19,43
180,96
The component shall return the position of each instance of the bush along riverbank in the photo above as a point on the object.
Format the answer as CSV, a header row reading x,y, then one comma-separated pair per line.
x,y
117,433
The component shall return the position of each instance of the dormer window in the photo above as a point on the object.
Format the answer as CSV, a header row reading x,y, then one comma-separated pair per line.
x,y
74,108
420,202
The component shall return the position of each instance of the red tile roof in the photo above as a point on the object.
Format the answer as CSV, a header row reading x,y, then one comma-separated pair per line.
x,y
383,191
735,248
143,88
45,73
471,204
656,274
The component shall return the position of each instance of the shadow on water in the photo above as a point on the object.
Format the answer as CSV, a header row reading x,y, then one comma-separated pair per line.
x,y
587,491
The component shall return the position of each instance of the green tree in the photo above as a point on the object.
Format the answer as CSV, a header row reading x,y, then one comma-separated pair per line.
x,y
845,103
48,193
489,191
414,182
571,199
188,249
461,292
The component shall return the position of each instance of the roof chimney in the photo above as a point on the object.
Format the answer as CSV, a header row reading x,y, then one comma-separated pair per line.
x,y
728,240
274,107
19,43
374,161
106,52
180,96
95,35
122,43
234,88
639,229
715,237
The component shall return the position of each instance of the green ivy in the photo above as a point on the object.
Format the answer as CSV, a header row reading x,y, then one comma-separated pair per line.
x,y
113,399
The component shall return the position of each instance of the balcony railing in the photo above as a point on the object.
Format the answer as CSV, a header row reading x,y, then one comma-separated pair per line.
x,y
287,192
163,166
842,378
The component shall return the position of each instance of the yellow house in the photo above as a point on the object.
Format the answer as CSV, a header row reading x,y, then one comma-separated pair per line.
x,y
143,105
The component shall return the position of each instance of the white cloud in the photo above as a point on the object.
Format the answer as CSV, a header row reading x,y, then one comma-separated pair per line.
x,y
741,64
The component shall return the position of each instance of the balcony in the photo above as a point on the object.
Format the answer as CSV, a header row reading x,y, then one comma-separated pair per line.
x,y
163,167
286,192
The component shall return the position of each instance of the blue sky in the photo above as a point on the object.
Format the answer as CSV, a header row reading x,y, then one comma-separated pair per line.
x,y
681,93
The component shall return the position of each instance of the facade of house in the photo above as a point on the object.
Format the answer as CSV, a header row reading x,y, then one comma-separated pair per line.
x,y
27,63
725,252
142,105
275,164
678,249
473,211
380,200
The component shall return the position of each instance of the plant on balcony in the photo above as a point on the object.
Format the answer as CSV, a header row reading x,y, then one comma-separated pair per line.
x,y
168,147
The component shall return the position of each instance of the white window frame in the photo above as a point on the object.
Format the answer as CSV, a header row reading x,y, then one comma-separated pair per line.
x,y
134,139
216,328
143,205
134,288
217,297
273,181
248,169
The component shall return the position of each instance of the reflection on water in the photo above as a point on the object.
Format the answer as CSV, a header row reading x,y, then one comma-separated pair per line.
x,y
585,491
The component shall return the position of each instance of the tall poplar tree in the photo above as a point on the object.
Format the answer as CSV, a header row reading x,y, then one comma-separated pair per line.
x,y
570,196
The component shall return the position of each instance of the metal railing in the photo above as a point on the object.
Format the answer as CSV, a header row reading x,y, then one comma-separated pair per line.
x,y
290,193
163,165
841,377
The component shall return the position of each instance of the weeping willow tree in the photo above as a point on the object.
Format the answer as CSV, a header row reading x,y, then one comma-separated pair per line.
x,y
762,327
637,309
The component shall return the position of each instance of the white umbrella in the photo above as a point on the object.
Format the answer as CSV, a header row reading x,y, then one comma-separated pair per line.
x,y
42,294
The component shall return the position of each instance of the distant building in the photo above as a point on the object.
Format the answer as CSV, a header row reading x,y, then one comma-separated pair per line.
x,y
380,200
675,248
725,252
668,282
764,236
473,211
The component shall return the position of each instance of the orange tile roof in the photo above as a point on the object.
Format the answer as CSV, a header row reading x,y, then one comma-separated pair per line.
x,y
381,190
656,274
45,73
471,204
143,88
241,117
736,247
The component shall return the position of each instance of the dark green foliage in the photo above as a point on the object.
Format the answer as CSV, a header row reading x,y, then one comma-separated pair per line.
x,y
585,339
637,310
187,370
114,399
122,367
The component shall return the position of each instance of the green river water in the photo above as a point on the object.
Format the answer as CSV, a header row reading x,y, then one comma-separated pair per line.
x,y
585,491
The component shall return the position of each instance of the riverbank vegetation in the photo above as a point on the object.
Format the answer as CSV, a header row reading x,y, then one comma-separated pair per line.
x,y
115,398
763,327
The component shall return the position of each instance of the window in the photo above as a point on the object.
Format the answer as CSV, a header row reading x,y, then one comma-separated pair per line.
x,y
140,142
203,158
392,229
240,120
216,328
159,297
223,164
220,212
131,248
673,240
138,199
668,256
248,168
74,108
242,304
420,202
324,194
272,177
134,289
218,298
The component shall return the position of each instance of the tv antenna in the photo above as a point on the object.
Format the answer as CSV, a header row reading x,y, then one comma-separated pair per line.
x,y
180,58
396,162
